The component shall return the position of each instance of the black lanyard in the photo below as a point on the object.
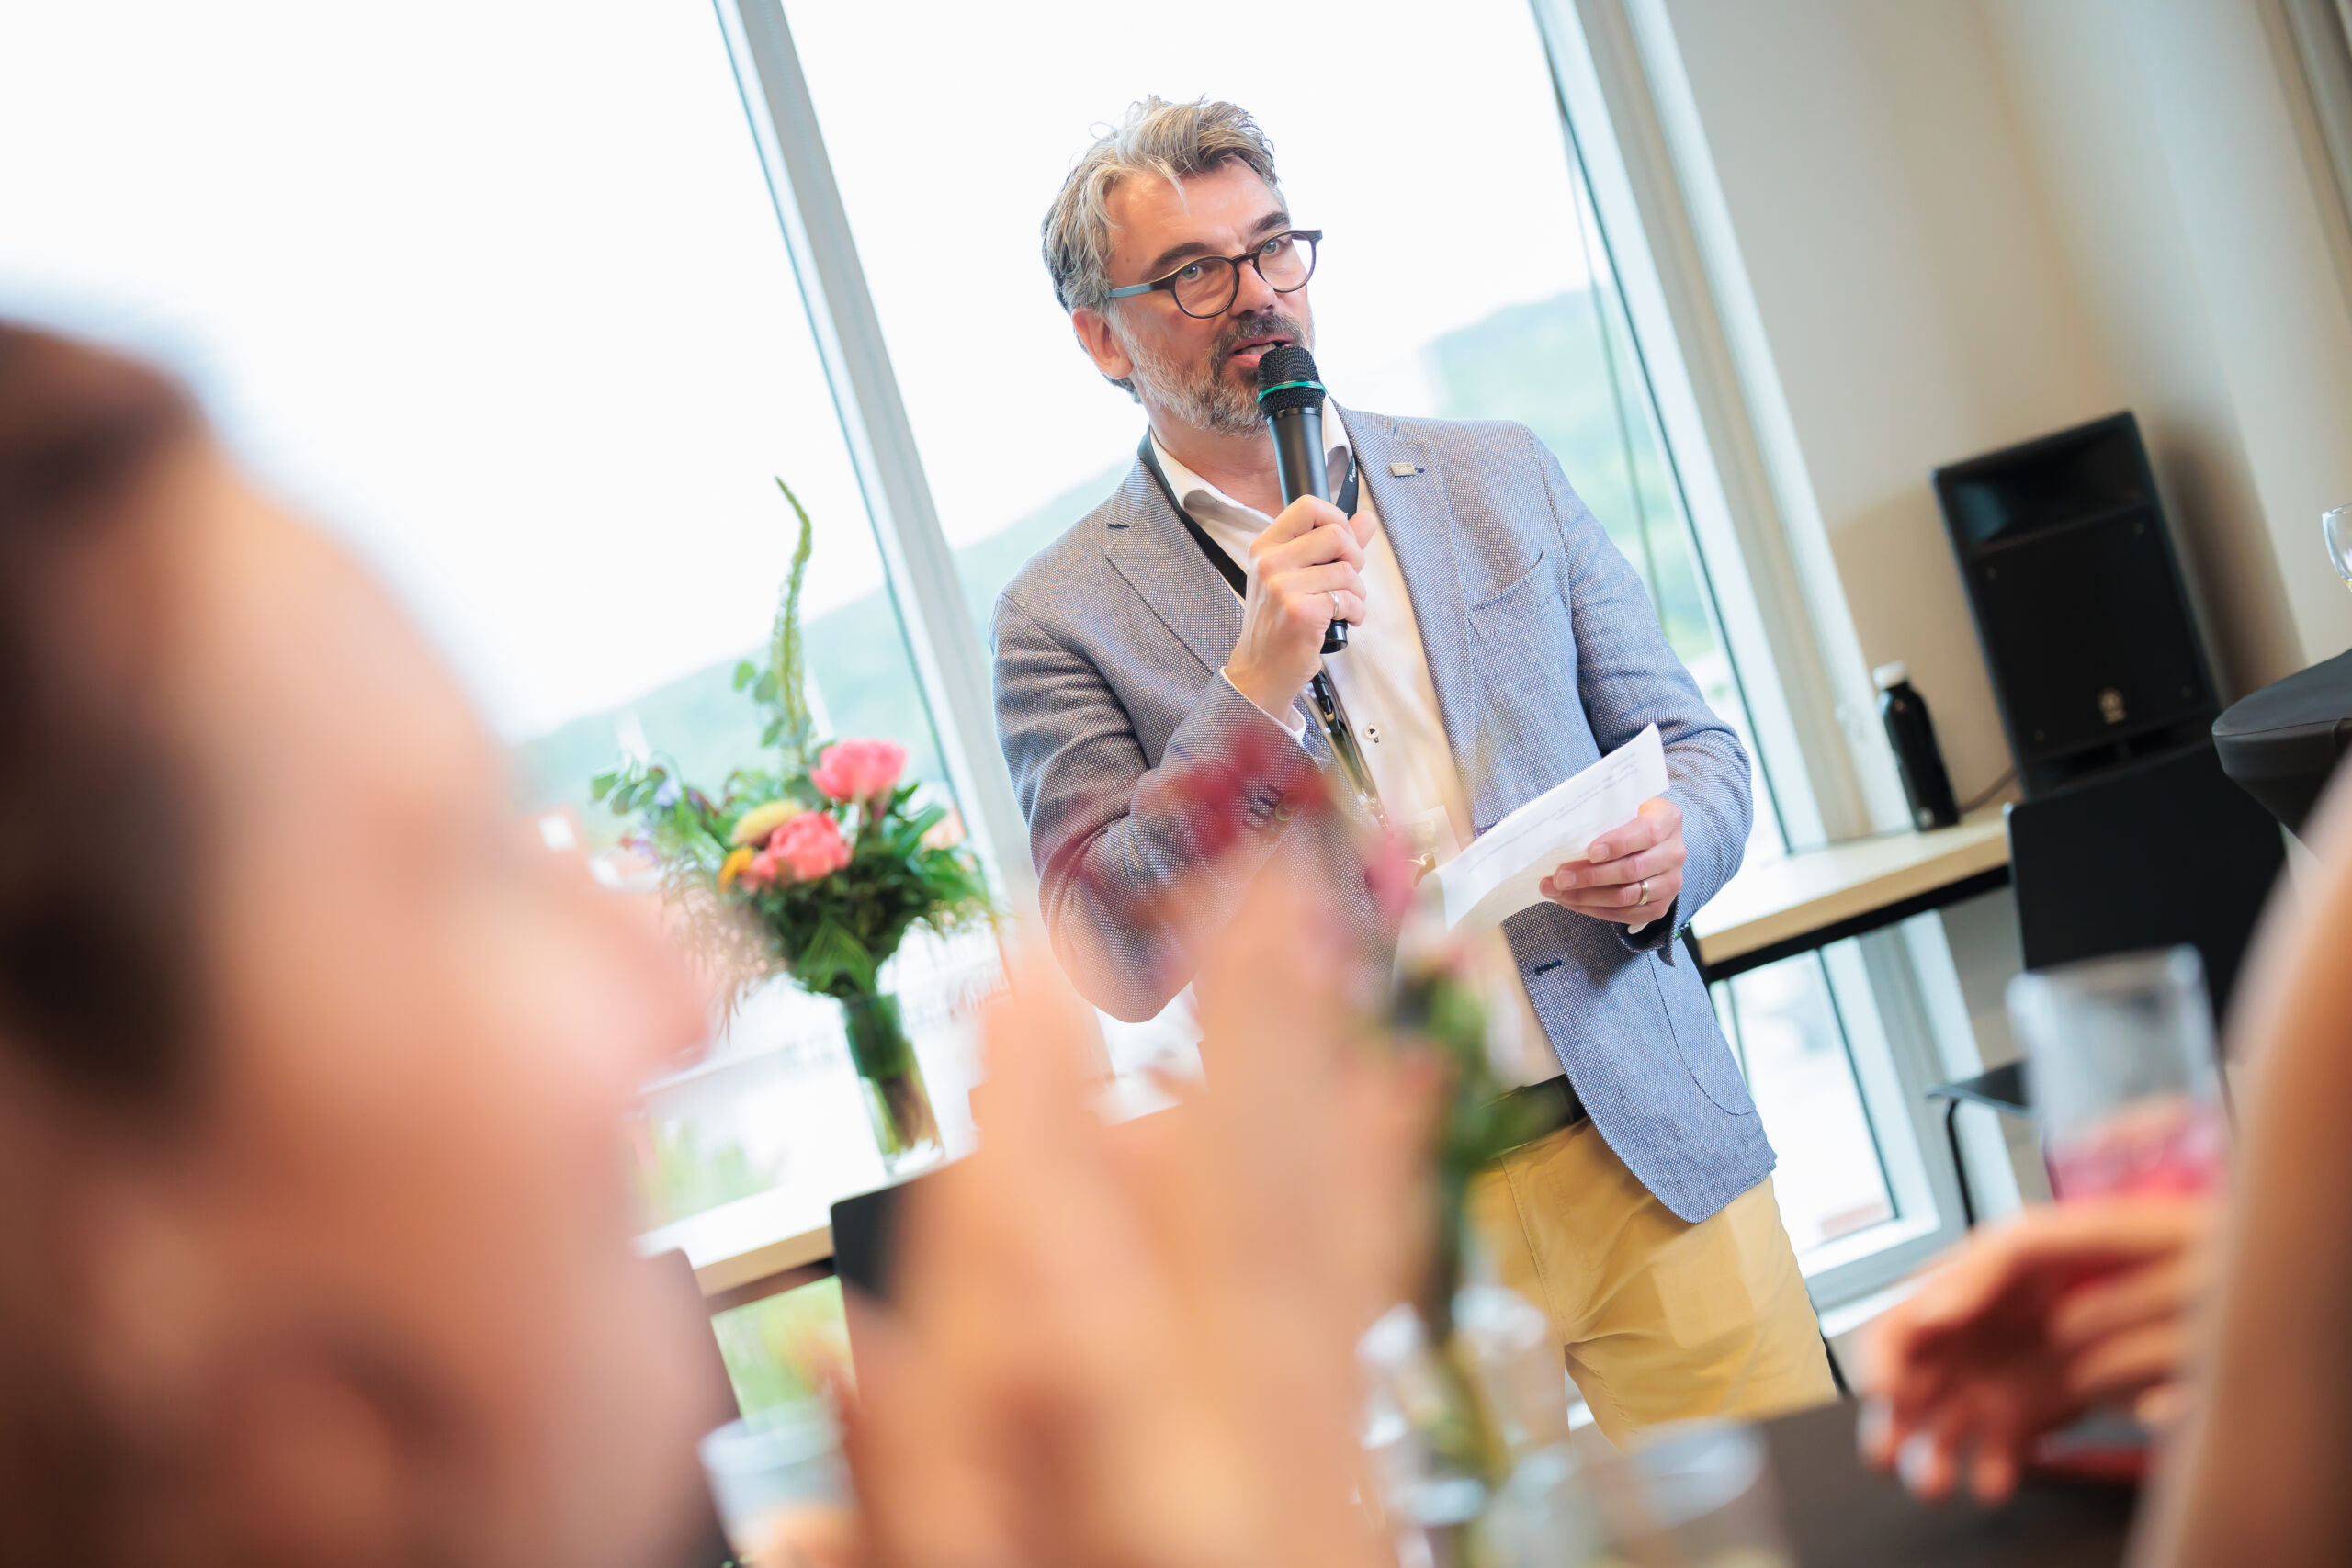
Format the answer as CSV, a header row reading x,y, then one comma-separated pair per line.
x,y
1329,710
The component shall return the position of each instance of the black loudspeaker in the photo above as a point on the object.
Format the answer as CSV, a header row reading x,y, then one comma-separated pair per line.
x,y
2149,854
2079,601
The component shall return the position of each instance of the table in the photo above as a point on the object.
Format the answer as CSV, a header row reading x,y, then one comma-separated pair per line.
x,y
2282,743
1773,909
1843,1515
1778,908
753,1247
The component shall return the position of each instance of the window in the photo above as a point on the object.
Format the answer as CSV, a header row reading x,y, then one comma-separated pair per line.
x,y
497,291
500,290
1464,276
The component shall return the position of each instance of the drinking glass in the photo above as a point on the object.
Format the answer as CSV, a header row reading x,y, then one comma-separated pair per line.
x,y
781,1489
2335,527
2123,1072
1694,1494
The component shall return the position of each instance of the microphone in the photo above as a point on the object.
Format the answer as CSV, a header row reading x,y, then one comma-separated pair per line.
x,y
1290,394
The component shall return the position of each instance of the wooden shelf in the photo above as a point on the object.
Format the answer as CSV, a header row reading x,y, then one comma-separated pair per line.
x,y
1775,909
753,1241
754,1246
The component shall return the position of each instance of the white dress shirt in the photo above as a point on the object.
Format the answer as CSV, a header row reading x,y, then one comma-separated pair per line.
x,y
1384,679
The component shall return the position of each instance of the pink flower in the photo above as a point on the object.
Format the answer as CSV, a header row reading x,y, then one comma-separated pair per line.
x,y
1392,873
860,770
807,847
758,870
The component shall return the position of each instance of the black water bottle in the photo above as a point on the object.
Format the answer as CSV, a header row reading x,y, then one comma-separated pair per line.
x,y
1913,735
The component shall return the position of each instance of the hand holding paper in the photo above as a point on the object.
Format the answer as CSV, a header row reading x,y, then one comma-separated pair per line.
x,y
1504,871
1633,877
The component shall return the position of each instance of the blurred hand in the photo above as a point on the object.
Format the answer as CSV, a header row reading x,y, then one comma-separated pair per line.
x,y
1609,885
1306,571
2027,1325
1133,1344
820,1536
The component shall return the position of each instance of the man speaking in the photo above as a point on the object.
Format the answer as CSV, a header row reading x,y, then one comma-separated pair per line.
x,y
1501,645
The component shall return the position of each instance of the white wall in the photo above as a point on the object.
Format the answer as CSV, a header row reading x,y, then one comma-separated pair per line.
x,y
1911,287
2260,207
1967,223
2163,134
2094,148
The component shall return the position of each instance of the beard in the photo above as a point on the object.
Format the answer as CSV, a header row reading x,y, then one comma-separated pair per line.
x,y
1203,396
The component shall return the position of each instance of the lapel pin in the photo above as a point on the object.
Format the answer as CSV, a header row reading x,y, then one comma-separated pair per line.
x,y
1404,470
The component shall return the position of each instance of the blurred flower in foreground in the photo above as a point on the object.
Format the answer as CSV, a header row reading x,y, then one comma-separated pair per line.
x,y
1429,1004
1132,1342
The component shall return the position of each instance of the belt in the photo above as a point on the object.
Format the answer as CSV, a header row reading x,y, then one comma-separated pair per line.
x,y
1553,1105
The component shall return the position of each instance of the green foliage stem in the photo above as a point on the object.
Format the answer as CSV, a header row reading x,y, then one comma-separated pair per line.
x,y
782,688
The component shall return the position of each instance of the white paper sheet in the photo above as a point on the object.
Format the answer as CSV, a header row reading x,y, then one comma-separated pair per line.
x,y
1497,876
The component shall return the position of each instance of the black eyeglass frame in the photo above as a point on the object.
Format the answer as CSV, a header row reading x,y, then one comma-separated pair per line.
x,y
1255,256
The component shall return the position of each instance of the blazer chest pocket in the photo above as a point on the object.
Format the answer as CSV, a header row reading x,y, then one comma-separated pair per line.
x,y
1531,719
1522,646
1518,587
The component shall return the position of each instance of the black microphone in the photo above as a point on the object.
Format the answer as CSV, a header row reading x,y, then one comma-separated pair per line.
x,y
1290,395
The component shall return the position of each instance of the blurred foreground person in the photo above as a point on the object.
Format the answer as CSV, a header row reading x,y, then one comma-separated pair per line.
x,y
2106,1300
1133,1344
312,1070
2029,1324
2257,1475
311,1066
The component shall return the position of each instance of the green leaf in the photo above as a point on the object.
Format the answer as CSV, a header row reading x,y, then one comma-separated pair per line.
x,y
602,785
791,691
745,672
834,955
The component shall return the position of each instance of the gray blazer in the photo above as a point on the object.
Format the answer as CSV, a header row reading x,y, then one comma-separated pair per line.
x,y
1544,652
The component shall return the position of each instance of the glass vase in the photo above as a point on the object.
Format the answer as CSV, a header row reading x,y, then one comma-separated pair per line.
x,y
896,1102
1468,1438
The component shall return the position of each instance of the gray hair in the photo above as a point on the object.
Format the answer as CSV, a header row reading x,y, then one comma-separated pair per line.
x,y
1175,142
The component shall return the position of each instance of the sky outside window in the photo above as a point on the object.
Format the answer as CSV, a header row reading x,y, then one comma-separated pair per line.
x,y
494,290
1425,142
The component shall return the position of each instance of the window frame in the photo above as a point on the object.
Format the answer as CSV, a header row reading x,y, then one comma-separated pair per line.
x,y
1635,137
1758,535
919,565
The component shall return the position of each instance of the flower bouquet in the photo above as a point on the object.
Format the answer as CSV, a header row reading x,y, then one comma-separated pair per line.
x,y
815,866
1465,1380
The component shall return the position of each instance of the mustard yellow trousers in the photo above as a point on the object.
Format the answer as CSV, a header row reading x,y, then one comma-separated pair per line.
x,y
1659,1320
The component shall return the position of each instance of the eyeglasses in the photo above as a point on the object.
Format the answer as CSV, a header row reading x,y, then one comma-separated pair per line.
x,y
1207,286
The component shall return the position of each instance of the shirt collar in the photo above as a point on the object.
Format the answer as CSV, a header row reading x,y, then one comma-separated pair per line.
x,y
1198,494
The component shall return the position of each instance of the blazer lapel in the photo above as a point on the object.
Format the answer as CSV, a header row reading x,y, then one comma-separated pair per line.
x,y
1148,544
1419,519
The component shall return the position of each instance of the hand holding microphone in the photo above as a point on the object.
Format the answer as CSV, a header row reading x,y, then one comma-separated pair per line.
x,y
1306,567
1290,394
1306,571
